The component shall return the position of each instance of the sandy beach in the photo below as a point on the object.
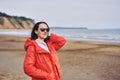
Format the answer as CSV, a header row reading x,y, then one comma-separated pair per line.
x,y
79,60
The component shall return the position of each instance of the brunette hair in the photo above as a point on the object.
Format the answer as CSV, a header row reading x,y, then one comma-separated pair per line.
x,y
33,34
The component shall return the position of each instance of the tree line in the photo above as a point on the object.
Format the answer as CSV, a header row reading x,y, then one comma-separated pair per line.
x,y
18,18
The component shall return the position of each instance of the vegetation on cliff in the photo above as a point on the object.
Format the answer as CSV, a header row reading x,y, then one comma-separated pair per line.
x,y
15,22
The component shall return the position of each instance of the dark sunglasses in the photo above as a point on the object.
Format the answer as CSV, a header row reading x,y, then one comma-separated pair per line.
x,y
44,29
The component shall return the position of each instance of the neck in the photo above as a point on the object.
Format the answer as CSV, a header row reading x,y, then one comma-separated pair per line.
x,y
41,39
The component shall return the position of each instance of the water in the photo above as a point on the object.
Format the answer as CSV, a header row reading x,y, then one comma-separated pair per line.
x,y
98,35
95,35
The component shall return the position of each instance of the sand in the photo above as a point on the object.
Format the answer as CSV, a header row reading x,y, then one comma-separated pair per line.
x,y
79,60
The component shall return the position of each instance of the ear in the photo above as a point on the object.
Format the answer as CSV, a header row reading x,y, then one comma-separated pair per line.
x,y
36,32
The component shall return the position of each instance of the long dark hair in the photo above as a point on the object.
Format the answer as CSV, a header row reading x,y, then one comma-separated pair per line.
x,y
33,34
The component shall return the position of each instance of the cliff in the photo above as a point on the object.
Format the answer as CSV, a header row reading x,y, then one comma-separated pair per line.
x,y
15,22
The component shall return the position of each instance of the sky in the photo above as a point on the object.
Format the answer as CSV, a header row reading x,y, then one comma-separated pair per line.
x,y
93,14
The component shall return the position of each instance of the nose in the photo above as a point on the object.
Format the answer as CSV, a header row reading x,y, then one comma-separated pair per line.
x,y
45,31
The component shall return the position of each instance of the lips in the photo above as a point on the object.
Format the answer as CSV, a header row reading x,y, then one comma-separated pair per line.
x,y
44,35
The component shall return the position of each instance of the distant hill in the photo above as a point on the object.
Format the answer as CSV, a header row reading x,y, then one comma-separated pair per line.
x,y
15,22
69,27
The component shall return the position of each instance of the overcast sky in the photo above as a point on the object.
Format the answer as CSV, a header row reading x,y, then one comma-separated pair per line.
x,y
67,13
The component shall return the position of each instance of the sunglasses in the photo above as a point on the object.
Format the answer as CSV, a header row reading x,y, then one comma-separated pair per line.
x,y
44,29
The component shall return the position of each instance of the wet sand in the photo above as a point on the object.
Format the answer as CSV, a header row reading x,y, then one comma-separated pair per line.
x,y
79,60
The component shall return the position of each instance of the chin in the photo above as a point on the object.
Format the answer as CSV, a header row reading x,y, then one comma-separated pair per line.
x,y
45,37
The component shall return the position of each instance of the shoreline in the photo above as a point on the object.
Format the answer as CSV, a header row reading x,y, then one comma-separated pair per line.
x,y
89,35
71,40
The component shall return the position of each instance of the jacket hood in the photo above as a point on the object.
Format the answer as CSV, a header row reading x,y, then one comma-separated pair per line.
x,y
29,41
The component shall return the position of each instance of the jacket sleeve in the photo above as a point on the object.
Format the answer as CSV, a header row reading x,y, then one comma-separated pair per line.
x,y
57,41
29,63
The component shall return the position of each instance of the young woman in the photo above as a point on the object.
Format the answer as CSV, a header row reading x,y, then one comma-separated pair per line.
x,y
41,61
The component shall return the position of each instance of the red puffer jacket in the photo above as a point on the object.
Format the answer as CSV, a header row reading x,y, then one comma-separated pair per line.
x,y
40,64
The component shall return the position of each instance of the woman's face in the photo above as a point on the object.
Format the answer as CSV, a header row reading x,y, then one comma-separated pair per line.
x,y
42,31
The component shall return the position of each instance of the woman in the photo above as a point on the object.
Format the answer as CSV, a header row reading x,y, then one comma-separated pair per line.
x,y
41,61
